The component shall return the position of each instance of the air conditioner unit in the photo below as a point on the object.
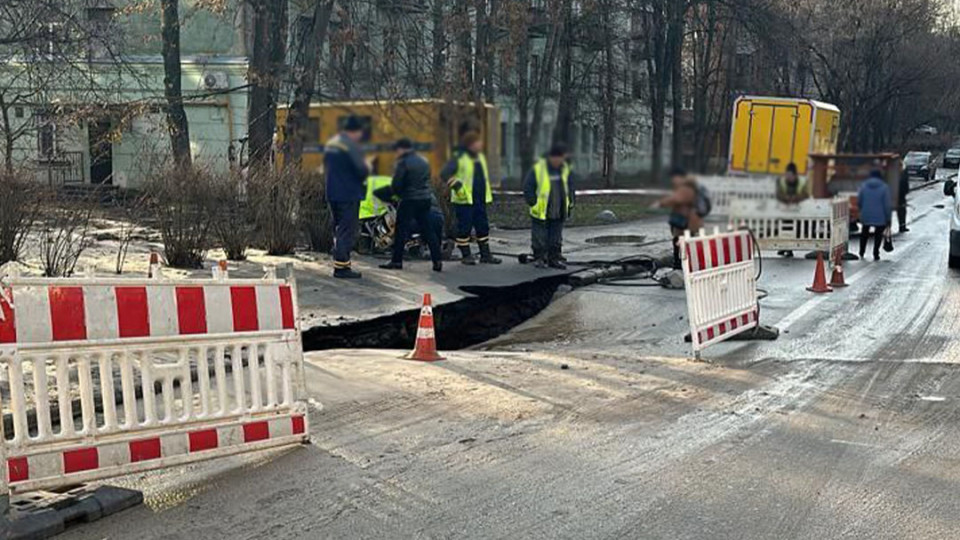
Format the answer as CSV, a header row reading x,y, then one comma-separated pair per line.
x,y
214,80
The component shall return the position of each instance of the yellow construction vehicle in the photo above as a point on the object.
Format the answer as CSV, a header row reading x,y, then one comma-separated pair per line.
x,y
770,133
433,125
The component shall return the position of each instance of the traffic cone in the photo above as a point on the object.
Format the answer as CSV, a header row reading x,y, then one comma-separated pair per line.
x,y
836,280
820,278
425,349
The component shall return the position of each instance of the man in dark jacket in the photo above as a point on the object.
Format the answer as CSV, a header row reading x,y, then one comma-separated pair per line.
x,y
411,183
902,201
875,206
549,192
346,176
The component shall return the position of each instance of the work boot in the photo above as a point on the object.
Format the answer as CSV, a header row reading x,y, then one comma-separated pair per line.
x,y
541,264
556,263
392,265
438,266
486,257
466,256
904,229
346,273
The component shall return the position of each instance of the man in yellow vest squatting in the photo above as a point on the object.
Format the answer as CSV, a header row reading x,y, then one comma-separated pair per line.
x,y
791,189
469,180
549,192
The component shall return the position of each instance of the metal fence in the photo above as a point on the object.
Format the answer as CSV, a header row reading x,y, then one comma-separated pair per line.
x,y
807,226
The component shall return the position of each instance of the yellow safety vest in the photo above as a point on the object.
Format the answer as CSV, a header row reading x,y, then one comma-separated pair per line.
x,y
542,172
372,206
802,186
464,174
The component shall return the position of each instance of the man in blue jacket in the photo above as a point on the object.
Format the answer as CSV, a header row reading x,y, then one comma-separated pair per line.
x,y
876,208
346,186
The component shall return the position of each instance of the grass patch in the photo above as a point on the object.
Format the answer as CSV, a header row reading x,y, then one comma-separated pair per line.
x,y
511,212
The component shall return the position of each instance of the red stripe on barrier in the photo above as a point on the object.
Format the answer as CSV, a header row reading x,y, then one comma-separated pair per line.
x,y
689,257
133,317
726,250
203,440
8,326
286,308
256,431
710,333
191,310
67,317
714,256
244,303
739,248
82,459
18,469
299,426
746,319
734,324
701,260
723,328
145,450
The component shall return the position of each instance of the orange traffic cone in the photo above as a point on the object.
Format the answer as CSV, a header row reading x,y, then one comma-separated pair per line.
x,y
425,349
820,278
836,280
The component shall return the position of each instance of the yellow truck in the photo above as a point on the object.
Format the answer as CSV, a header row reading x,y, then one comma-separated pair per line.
x,y
433,125
770,133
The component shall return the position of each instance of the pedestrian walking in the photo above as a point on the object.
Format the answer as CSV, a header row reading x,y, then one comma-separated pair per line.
x,y
902,192
346,177
682,203
549,191
411,183
875,206
469,180
792,190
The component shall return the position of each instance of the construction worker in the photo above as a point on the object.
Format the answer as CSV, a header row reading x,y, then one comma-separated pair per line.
x,y
791,189
411,183
372,206
549,192
346,178
469,180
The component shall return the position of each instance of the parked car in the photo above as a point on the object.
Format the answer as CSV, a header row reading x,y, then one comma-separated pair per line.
x,y
951,160
920,165
927,130
950,190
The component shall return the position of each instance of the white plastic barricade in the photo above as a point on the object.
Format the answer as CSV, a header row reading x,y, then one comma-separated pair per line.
x,y
112,376
721,286
840,229
806,226
725,189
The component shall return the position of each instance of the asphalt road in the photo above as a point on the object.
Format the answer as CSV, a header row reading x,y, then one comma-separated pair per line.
x,y
590,421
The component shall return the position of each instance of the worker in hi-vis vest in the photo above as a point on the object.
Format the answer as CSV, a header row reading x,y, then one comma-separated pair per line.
x,y
549,192
469,180
791,189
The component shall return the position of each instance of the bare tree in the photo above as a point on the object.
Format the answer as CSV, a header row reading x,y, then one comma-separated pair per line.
x,y
177,124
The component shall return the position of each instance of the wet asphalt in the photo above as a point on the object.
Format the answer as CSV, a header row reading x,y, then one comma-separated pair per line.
x,y
591,421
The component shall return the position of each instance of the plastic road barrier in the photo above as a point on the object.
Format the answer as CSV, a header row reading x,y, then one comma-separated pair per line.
x,y
725,189
112,376
812,225
721,286
840,229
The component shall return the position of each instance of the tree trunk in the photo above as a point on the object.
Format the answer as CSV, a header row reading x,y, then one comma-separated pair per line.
x,y
609,105
438,75
306,76
566,105
177,125
676,30
269,56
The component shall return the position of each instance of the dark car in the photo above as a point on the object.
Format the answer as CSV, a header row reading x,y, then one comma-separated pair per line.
x,y
951,160
919,165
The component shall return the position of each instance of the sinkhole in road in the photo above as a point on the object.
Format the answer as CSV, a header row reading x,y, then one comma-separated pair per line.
x,y
486,314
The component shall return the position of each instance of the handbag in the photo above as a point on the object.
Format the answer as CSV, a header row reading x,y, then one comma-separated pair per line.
x,y
888,240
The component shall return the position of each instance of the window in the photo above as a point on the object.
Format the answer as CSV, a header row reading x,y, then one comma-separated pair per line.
x,y
100,21
517,129
503,139
46,137
534,68
584,140
313,130
596,139
18,112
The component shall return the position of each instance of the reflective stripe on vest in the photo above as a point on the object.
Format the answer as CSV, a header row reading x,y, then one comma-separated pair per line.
x,y
542,172
464,195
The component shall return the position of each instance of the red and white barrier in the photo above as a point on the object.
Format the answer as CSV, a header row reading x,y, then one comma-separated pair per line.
x,y
145,374
720,281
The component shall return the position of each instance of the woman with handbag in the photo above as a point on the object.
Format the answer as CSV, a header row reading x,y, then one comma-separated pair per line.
x,y
876,209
